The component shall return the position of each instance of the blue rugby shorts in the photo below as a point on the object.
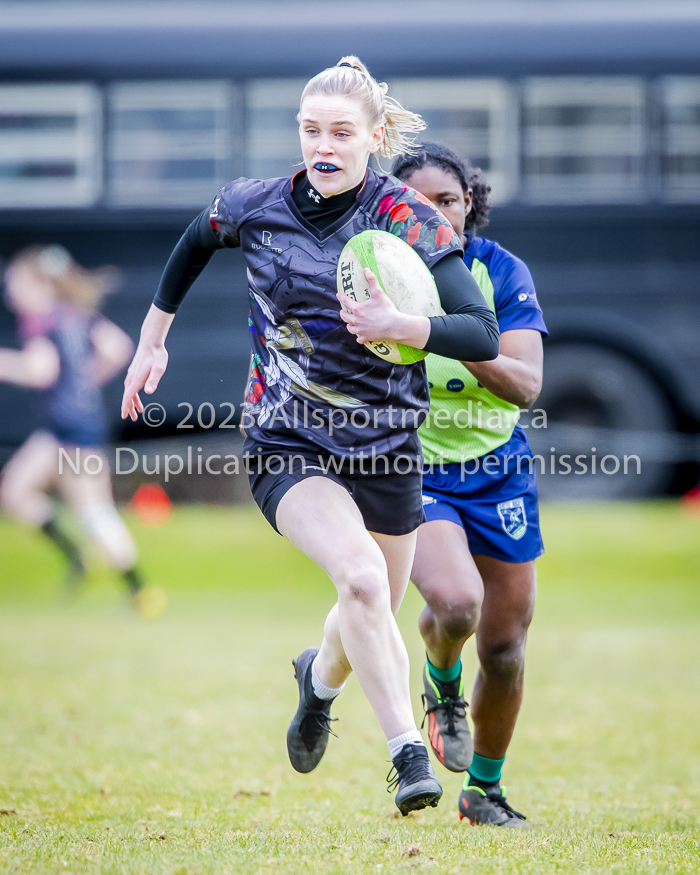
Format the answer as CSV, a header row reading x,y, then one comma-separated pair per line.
x,y
494,501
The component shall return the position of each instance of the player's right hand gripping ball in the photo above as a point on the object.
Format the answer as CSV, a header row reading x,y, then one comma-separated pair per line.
x,y
402,274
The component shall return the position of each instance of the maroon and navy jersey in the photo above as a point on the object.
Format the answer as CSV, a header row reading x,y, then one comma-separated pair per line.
x,y
73,408
311,381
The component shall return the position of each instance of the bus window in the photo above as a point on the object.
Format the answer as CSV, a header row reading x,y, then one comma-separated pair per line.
x,y
583,139
272,146
49,145
680,157
171,143
475,117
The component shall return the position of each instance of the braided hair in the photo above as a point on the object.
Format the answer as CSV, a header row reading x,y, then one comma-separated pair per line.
x,y
469,177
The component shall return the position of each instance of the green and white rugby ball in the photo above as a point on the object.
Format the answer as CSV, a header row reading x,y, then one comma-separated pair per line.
x,y
401,273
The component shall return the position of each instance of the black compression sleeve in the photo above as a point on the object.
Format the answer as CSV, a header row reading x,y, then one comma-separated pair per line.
x,y
189,258
469,331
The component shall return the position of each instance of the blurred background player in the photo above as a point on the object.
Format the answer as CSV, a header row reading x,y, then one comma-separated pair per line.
x,y
474,562
68,352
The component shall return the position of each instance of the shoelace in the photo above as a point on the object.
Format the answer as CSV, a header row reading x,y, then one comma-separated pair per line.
x,y
502,802
411,767
314,724
454,707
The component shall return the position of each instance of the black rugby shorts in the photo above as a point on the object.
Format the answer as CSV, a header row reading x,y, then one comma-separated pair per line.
x,y
390,501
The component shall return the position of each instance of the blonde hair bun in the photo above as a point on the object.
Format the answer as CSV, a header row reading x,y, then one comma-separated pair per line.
x,y
354,62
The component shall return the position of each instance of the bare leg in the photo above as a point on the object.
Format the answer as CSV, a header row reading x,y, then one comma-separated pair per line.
x,y
449,581
332,664
319,517
509,602
27,478
90,497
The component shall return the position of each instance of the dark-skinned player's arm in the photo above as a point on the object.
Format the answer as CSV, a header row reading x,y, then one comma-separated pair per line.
x,y
516,374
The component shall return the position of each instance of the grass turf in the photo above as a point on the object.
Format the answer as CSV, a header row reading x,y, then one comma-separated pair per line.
x,y
159,747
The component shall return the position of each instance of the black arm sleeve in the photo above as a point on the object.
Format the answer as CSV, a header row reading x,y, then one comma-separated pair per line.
x,y
469,331
189,258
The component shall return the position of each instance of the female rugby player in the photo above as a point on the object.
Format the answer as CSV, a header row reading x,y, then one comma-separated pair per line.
x,y
69,351
475,556
327,427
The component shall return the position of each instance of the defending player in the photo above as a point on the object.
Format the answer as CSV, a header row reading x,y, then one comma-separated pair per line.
x,y
475,557
68,352
325,477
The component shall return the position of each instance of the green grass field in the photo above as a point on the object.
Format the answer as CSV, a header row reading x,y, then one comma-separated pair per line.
x,y
159,747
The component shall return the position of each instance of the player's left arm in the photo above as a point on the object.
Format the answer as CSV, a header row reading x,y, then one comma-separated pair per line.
x,y
113,350
516,374
467,328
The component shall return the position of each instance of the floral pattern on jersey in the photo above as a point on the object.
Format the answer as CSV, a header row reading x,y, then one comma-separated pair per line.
x,y
429,231
256,384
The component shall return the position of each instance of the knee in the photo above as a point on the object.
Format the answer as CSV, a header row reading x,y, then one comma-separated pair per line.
x,y
363,585
458,616
503,659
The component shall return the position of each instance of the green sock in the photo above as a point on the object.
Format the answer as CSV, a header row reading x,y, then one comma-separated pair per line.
x,y
445,675
485,770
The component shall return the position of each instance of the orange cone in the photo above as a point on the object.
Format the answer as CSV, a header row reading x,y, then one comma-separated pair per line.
x,y
690,502
151,504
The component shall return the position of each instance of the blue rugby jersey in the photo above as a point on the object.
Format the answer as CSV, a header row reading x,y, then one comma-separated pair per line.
x,y
466,420
514,297
311,382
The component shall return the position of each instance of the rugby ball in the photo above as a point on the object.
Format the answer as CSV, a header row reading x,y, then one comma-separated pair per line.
x,y
401,273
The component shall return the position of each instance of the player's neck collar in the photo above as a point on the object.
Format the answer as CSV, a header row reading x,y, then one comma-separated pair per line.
x,y
335,201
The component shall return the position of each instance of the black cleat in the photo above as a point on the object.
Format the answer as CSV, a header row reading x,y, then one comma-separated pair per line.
x,y
448,729
489,807
307,736
415,778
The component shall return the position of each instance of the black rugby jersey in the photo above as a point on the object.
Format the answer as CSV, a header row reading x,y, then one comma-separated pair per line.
x,y
312,384
348,400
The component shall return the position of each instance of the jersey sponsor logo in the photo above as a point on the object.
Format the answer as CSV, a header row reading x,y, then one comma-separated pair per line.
x,y
266,243
525,296
513,519
428,499
455,385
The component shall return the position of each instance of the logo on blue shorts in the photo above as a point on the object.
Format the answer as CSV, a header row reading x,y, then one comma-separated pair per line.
x,y
513,520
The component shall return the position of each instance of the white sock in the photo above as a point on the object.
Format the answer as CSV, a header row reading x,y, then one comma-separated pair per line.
x,y
396,745
321,690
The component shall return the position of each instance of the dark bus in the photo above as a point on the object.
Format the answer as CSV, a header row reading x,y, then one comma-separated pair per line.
x,y
119,122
